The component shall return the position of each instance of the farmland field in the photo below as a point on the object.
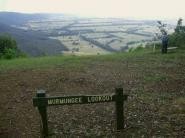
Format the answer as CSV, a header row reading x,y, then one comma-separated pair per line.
x,y
88,36
79,47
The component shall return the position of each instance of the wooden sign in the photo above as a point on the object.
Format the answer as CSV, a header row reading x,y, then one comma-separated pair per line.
x,y
49,101
41,101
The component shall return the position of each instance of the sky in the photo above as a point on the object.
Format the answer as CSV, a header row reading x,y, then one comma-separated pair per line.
x,y
145,9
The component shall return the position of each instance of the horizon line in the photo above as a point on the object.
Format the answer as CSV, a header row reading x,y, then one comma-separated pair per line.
x,y
93,16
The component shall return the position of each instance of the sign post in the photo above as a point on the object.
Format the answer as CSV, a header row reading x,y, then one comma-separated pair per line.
x,y
43,112
119,108
41,101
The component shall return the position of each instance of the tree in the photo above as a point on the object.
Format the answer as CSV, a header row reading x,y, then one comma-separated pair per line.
x,y
8,47
162,27
178,37
179,28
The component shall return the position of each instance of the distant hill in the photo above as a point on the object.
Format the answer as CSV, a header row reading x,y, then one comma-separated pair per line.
x,y
13,18
33,43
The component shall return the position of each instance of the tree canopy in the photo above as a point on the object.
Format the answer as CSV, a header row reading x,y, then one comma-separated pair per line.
x,y
8,47
178,37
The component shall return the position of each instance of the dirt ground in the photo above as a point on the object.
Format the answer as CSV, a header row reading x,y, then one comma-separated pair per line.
x,y
155,107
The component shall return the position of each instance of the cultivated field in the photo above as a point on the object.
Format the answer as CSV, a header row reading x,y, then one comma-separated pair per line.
x,y
91,36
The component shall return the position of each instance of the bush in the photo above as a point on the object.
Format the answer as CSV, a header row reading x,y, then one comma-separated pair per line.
x,y
8,48
9,53
177,39
6,42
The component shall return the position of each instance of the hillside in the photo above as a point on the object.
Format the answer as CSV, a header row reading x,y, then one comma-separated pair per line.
x,y
154,83
33,43
14,18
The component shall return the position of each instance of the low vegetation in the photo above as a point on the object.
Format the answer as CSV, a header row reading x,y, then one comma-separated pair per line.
x,y
178,37
8,48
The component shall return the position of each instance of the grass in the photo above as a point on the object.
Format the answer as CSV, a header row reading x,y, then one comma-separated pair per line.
x,y
144,57
55,61
39,62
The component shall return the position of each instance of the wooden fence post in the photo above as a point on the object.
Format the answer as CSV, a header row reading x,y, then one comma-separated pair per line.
x,y
119,108
43,112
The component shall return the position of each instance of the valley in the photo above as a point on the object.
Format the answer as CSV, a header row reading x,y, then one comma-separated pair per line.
x,y
53,34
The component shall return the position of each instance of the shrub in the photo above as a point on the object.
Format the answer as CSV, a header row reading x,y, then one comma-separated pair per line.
x,y
9,53
6,42
177,39
8,47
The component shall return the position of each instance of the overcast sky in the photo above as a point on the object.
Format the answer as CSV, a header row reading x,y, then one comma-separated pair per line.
x,y
147,9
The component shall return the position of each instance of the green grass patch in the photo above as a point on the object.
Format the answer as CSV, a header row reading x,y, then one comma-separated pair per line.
x,y
40,62
145,57
59,61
